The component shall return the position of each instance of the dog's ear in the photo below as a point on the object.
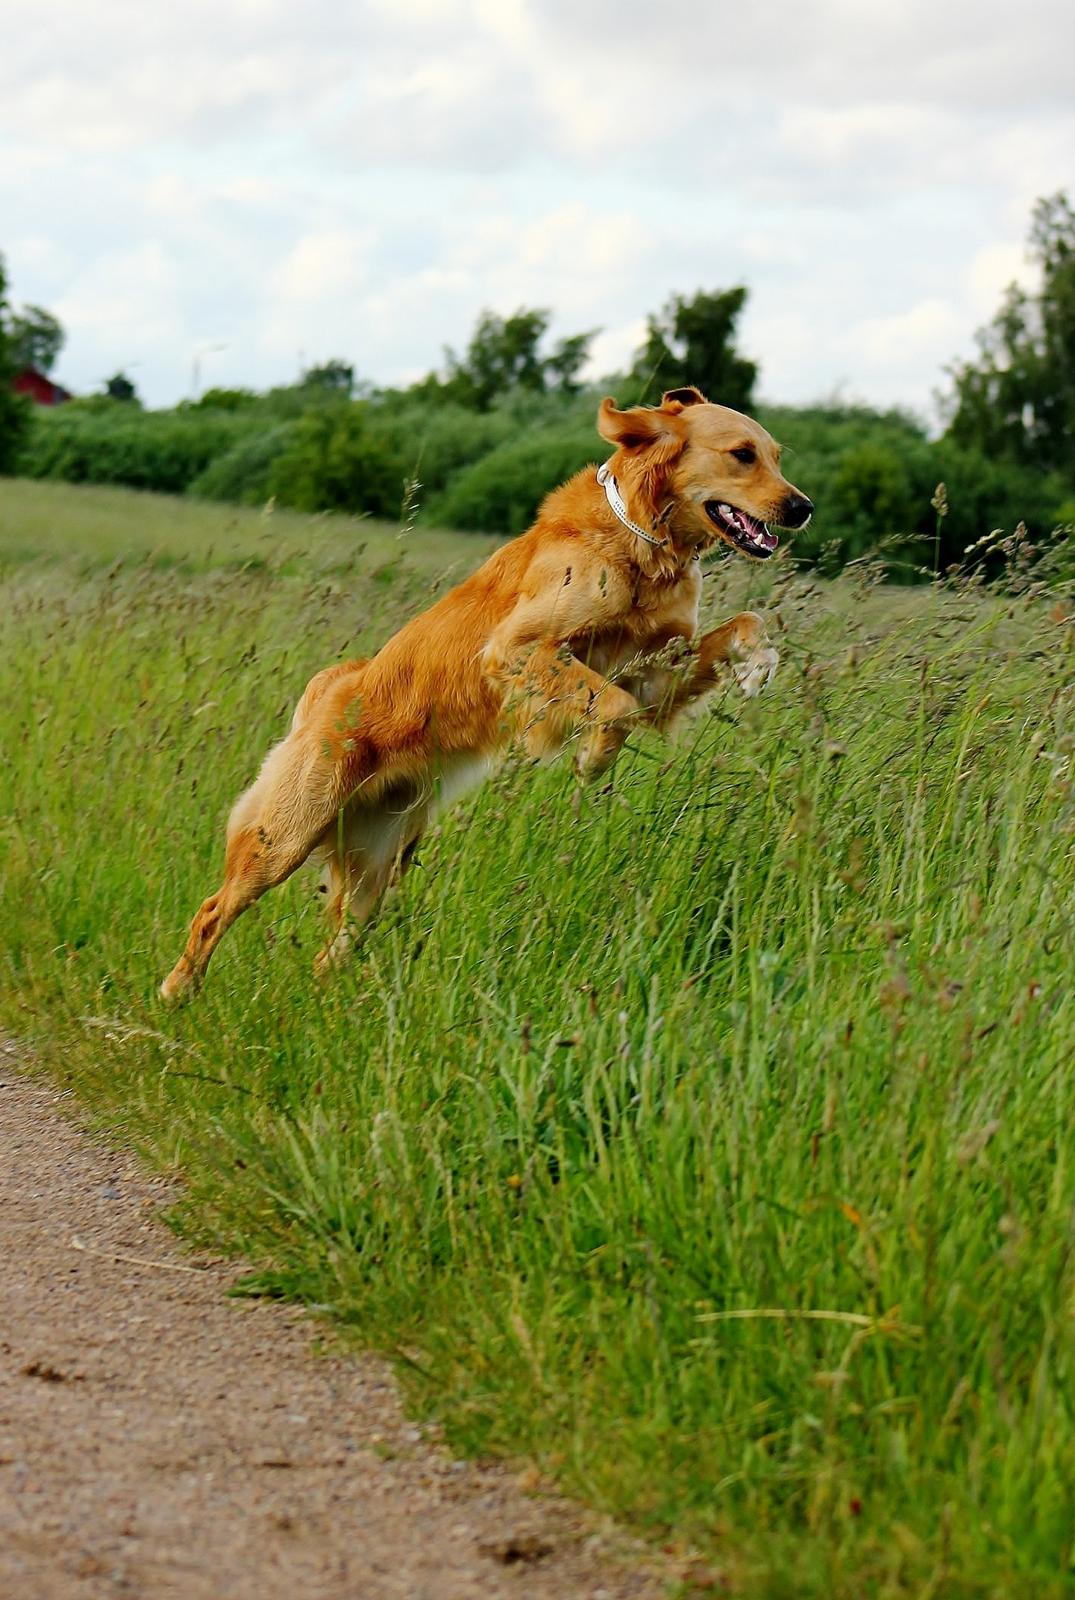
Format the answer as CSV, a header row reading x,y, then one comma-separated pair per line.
x,y
653,438
677,400
635,428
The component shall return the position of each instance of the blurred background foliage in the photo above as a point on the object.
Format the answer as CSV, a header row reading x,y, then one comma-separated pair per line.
x,y
478,443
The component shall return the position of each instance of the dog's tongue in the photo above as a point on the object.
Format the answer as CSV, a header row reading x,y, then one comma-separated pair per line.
x,y
755,531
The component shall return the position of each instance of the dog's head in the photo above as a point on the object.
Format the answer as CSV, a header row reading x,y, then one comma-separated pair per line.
x,y
703,472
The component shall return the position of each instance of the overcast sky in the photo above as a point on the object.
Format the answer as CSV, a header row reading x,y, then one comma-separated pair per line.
x,y
358,178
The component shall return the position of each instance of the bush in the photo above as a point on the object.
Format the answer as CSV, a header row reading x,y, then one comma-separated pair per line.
x,y
162,450
334,461
222,400
501,492
870,490
871,474
436,442
243,474
986,493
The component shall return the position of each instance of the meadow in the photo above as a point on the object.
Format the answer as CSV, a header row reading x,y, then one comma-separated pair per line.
x,y
706,1137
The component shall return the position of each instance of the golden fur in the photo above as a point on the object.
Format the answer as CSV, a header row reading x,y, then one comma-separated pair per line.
x,y
524,651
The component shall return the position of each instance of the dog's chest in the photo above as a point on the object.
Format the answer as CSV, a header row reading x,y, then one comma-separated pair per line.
x,y
662,609
658,612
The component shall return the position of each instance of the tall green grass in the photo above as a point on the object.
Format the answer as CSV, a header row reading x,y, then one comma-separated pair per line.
x,y
707,1137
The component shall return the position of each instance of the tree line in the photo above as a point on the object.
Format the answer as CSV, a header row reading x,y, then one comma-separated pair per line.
x,y
480,440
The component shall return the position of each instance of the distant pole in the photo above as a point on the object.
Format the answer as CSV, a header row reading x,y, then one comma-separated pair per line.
x,y
201,350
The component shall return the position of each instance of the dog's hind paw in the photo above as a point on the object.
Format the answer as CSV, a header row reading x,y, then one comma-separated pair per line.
x,y
179,985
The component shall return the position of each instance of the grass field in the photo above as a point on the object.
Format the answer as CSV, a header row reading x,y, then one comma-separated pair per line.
x,y
709,1139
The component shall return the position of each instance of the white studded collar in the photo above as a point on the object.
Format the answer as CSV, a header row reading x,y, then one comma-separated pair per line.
x,y
619,507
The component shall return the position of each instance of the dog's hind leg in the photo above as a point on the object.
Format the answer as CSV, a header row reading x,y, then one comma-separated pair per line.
x,y
252,865
272,830
381,843
355,890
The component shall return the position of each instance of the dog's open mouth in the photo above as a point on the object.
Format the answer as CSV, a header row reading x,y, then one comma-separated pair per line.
x,y
742,530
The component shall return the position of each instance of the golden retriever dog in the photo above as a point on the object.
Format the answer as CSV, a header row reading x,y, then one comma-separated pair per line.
x,y
562,637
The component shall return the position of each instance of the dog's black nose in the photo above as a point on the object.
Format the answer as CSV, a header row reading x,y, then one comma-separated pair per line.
x,y
796,511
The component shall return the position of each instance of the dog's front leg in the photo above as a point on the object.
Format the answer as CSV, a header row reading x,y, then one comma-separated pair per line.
x,y
555,698
559,699
739,644
742,645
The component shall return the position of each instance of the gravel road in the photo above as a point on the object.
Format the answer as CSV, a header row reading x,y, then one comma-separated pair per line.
x,y
158,1439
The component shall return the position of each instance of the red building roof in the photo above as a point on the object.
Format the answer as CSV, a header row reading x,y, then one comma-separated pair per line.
x,y
40,388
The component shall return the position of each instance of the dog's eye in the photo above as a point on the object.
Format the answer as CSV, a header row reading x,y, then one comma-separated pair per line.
x,y
746,454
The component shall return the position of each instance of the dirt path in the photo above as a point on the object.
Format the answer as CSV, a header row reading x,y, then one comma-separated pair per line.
x,y
160,1440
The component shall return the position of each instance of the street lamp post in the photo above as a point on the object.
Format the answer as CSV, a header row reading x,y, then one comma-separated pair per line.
x,y
200,351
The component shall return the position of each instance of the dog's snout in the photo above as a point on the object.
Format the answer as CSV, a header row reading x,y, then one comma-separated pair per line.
x,y
796,511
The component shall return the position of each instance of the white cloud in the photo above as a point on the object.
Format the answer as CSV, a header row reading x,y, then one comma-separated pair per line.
x,y
613,348
901,341
332,264
990,272
123,303
360,179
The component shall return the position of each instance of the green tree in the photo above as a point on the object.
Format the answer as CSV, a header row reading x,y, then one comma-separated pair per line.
x,y
1016,398
333,377
120,387
563,367
14,410
502,355
222,400
36,338
505,354
692,340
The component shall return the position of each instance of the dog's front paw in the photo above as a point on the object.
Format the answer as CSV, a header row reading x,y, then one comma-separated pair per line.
x,y
754,672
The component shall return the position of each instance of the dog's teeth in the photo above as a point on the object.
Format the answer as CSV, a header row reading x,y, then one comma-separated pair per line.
x,y
725,511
